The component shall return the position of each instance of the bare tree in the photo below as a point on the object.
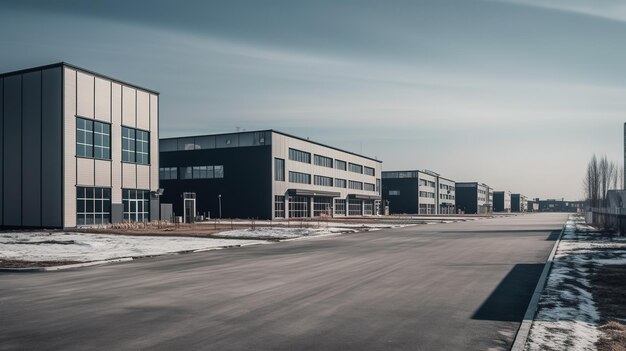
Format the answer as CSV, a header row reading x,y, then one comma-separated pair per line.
x,y
592,182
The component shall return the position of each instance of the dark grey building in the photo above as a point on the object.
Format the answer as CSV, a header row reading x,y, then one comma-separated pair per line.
x,y
501,201
77,148
473,198
519,203
554,205
266,174
418,192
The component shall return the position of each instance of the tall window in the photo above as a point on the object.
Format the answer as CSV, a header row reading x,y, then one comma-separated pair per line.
x,y
279,206
93,205
279,169
300,156
136,205
323,161
135,146
340,183
297,177
93,139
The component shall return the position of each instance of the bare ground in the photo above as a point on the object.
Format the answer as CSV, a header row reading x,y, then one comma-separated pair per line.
x,y
31,264
609,291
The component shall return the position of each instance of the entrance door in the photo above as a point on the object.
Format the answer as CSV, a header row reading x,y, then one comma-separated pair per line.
x,y
189,201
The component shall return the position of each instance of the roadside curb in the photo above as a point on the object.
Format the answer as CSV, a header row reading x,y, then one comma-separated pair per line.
x,y
63,267
522,333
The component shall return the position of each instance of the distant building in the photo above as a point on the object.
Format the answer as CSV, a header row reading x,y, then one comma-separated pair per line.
x,y
473,198
519,203
418,192
77,148
552,205
501,201
266,174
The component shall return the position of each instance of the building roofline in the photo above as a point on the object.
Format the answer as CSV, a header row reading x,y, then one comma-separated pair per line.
x,y
65,64
424,171
277,132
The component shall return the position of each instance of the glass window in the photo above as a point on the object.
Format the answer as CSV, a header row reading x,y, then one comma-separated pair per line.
x,y
340,165
300,156
219,171
135,146
279,169
298,206
297,177
394,192
136,205
166,173
185,172
340,207
369,171
353,167
93,139
279,206
323,161
369,187
93,206
324,181
340,183
355,185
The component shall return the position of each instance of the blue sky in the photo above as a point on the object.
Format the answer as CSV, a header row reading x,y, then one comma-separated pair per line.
x,y
516,94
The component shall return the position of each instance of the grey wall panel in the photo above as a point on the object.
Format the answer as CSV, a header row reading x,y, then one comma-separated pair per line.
x,y
1,150
52,148
12,150
85,94
31,149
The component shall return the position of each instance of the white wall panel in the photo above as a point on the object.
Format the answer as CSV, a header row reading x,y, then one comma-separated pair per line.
x,y
129,176
143,110
102,173
103,100
69,126
85,171
85,94
143,177
116,143
128,107
154,142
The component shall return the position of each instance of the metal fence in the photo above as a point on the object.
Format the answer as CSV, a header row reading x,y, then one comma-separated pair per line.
x,y
608,218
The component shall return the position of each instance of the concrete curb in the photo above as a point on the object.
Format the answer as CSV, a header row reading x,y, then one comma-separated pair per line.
x,y
522,333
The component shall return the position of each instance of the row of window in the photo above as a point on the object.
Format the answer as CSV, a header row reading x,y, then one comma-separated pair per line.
x,y
192,172
299,207
427,194
428,183
305,178
319,160
93,139
93,205
446,187
446,197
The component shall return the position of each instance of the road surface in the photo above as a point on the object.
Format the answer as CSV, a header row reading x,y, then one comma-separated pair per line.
x,y
457,286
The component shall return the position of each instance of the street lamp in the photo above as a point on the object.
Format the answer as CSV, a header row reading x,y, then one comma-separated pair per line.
x,y
219,199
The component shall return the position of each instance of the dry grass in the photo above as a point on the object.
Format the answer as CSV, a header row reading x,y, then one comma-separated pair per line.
x,y
609,291
30,264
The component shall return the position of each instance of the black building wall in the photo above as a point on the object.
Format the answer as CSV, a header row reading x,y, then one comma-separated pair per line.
x,y
467,199
516,203
407,201
498,202
246,188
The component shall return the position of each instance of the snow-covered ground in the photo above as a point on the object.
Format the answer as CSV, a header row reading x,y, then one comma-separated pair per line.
x,y
281,233
567,317
59,246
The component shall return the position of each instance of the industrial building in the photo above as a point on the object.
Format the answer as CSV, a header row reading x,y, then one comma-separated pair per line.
x,y
78,148
554,205
501,201
473,198
265,174
519,203
418,192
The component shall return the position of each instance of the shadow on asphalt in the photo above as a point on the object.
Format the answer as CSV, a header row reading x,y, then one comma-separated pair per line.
x,y
553,235
509,300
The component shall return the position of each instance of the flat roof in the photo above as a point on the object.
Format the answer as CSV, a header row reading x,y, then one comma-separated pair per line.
x,y
65,64
424,171
277,132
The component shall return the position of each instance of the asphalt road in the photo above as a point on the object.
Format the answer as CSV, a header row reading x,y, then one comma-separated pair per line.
x,y
457,286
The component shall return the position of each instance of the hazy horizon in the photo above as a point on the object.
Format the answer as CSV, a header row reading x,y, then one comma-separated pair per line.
x,y
517,95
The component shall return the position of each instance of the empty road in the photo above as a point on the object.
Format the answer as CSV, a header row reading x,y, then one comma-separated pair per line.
x,y
457,286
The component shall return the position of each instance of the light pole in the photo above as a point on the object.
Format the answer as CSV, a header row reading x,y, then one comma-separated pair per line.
x,y
219,199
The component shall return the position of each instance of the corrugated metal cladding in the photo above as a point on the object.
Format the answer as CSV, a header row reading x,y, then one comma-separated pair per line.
x,y
31,149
